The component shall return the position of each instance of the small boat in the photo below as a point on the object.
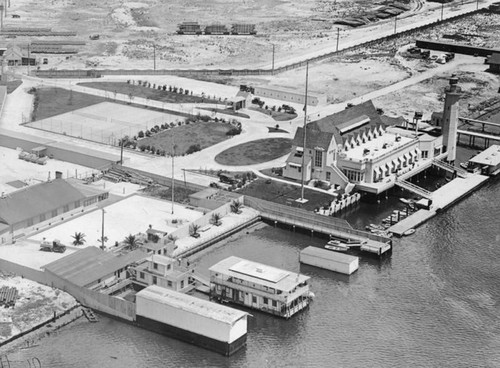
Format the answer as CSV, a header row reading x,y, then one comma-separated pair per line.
x,y
336,248
333,242
464,165
408,232
406,201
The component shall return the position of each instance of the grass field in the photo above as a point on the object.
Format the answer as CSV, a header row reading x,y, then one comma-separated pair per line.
x,y
50,102
276,115
105,122
144,92
284,193
11,85
204,134
255,152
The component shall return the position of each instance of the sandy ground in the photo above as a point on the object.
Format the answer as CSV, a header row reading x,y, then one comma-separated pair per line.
x,y
128,30
129,216
13,169
36,303
230,221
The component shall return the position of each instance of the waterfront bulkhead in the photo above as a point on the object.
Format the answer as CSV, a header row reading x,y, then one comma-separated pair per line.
x,y
254,285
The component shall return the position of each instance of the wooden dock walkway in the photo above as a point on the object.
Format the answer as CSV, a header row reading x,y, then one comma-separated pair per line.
x,y
300,218
441,199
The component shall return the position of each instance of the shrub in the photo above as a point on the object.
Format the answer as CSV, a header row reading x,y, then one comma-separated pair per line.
x,y
164,87
140,134
172,124
142,147
179,123
193,148
204,118
186,91
234,131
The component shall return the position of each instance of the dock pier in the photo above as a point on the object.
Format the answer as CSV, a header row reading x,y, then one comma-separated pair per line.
x,y
442,198
327,225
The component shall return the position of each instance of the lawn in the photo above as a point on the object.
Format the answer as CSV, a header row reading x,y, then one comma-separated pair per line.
x,y
145,92
181,193
51,102
255,152
204,134
11,85
276,115
227,112
283,193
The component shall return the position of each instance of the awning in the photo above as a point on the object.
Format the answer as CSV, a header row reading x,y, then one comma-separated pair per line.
x,y
395,163
401,159
407,156
413,153
379,171
388,165
299,149
294,165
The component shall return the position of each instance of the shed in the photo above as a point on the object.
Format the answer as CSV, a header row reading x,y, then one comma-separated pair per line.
x,y
329,260
494,62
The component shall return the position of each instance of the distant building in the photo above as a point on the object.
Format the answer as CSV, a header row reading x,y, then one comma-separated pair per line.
x,y
32,207
254,285
240,101
494,62
290,96
15,56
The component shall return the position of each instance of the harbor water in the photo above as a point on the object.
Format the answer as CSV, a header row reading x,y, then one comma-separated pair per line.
x,y
434,303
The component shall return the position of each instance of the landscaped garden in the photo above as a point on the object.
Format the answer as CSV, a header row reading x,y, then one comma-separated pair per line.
x,y
183,138
283,193
278,113
255,152
144,89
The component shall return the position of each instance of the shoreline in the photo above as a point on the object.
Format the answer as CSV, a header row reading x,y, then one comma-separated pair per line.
x,y
28,338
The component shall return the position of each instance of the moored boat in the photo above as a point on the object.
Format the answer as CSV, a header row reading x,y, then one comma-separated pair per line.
x,y
408,232
336,248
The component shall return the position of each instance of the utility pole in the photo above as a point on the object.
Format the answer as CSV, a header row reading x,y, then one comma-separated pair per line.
x,y
154,56
338,37
172,154
29,58
304,142
102,230
477,4
442,10
273,60
395,23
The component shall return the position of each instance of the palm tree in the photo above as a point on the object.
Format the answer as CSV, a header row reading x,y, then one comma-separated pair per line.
x,y
236,206
216,219
172,238
131,242
193,230
79,238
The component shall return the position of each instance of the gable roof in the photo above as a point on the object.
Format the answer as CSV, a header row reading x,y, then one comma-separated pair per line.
x,y
351,116
90,264
314,138
37,199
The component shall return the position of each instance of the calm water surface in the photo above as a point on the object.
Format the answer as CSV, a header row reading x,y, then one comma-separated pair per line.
x,y
434,303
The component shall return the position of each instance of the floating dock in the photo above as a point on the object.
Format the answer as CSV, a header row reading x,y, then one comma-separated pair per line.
x,y
442,198
329,260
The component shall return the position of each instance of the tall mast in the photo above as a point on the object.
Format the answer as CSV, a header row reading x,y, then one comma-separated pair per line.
x,y
304,145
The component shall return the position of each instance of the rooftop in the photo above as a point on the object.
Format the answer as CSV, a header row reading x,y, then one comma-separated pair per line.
x,y
349,121
376,147
314,138
38,199
259,273
327,254
91,264
490,156
191,304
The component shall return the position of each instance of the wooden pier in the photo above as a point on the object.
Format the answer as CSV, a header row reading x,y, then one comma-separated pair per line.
x,y
300,218
442,198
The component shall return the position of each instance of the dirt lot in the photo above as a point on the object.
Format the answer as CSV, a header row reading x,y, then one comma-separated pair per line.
x,y
35,304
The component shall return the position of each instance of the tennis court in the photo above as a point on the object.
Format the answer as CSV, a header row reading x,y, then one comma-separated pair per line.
x,y
105,122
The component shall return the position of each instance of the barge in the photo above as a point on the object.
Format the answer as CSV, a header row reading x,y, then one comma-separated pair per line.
x,y
261,287
193,320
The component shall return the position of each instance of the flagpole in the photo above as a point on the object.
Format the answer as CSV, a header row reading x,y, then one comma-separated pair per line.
x,y
304,145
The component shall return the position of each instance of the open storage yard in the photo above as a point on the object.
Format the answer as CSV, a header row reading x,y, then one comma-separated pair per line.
x,y
129,216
